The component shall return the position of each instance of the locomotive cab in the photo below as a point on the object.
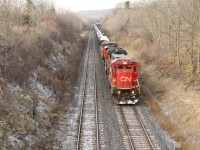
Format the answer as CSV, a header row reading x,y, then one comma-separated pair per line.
x,y
113,51
102,48
105,46
123,77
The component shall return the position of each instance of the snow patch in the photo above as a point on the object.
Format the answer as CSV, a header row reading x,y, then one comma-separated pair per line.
x,y
16,90
14,141
44,92
51,62
41,107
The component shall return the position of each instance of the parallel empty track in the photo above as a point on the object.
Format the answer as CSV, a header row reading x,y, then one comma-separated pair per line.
x,y
88,132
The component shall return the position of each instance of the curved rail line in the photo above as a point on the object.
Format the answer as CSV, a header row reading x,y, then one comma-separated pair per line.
x,y
88,131
135,135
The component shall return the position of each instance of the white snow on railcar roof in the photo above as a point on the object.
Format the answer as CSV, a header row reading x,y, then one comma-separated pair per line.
x,y
120,57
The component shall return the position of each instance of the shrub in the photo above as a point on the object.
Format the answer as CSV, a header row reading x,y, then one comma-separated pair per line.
x,y
25,18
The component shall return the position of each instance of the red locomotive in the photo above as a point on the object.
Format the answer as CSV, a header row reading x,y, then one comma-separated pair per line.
x,y
105,46
122,71
123,78
111,51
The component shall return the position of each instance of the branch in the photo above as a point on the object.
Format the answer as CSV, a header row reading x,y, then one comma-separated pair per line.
x,y
167,34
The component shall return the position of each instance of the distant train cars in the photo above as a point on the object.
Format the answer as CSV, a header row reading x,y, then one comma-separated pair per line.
x,y
100,34
122,71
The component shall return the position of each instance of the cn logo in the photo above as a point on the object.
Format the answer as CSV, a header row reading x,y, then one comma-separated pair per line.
x,y
125,79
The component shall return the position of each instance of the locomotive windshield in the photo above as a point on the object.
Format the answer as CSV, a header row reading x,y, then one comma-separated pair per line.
x,y
124,67
128,66
121,67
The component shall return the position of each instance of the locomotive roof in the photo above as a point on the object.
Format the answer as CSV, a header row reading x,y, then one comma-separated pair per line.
x,y
117,56
116,50
111,43
111,47
121,57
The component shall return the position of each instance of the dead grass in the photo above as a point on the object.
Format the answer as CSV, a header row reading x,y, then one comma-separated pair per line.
x,y
165,121
48,79
178,107
173,101
29,48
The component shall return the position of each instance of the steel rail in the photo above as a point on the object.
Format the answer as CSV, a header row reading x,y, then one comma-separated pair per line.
x,y
134,132
96,104
80,129
84,92
126,128
144,129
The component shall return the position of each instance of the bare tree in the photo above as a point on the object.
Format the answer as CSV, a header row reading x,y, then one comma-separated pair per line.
x,y
7,12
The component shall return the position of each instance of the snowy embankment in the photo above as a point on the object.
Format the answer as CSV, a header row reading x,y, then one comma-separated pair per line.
x,y
28,110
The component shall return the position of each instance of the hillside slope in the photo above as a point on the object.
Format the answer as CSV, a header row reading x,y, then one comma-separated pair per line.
x,y
38,71
172,93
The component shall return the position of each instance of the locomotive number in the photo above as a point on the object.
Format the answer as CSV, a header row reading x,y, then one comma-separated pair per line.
x,y
125,79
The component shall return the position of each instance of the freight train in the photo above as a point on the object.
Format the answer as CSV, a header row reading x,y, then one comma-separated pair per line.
x,y
122,71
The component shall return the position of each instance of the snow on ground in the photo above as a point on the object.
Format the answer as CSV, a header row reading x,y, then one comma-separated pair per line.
x,y
23,103
44,92
20,97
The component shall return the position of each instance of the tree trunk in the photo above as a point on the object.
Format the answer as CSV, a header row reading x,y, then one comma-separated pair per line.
x,y
178,45
159,34
169,38
192,47
178,37
6,39
198,61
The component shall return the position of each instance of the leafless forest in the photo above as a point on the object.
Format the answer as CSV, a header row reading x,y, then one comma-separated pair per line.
x,y
41,48
163,36
37,44
171,25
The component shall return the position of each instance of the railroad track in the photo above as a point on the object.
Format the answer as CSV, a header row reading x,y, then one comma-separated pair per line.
x,y
134,132
85,127
88,131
